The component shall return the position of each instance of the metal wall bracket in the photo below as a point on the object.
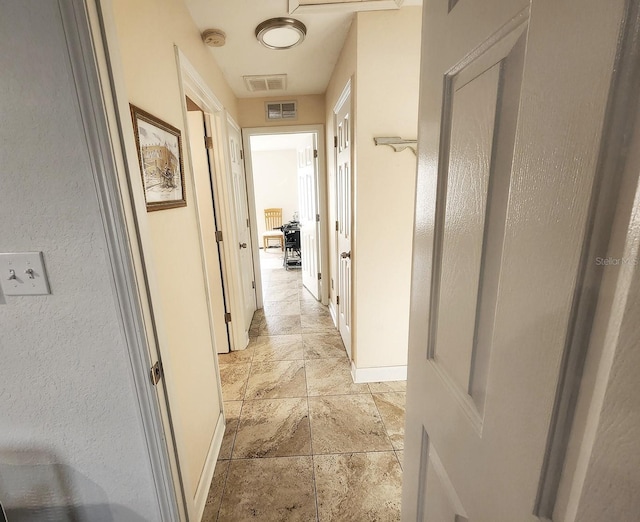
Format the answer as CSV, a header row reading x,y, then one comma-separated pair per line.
x,y
398,144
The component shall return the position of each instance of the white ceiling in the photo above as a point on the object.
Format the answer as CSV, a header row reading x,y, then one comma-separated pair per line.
x,y
308,66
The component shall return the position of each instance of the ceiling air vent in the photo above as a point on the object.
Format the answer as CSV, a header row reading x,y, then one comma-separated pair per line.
x,y
273,82
281,110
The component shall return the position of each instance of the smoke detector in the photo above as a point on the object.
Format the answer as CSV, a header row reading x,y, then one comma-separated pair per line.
x,y
214,37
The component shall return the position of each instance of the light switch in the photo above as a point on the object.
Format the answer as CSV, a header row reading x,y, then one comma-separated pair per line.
x,y
23,273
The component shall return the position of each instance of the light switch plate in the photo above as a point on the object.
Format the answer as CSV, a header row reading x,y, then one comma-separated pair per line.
x,y
23,273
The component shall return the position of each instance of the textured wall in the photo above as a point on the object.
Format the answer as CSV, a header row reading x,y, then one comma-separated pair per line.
x,y
70,432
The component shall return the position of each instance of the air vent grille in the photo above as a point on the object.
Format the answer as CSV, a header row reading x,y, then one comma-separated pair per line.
x,y
281,110
273,82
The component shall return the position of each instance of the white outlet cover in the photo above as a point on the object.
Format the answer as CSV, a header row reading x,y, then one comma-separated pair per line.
x,y
23,273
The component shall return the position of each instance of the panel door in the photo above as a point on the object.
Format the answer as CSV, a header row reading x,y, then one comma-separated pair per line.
x,y
513,99
243,226
343,214
309,225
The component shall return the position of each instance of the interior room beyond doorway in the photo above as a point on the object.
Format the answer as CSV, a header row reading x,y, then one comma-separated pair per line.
x,y
276,160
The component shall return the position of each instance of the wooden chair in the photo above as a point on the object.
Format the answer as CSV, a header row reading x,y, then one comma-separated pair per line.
x,y
273,221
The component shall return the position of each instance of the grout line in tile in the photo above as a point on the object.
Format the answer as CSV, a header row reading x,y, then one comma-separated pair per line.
x,y
222,490
384,424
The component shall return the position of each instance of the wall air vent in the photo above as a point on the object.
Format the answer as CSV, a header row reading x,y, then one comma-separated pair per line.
x,y
273,82
281,110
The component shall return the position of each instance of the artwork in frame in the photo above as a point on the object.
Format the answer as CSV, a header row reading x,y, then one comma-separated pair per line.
x,y
161,164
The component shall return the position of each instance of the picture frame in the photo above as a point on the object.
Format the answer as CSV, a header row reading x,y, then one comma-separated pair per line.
x,y
159,147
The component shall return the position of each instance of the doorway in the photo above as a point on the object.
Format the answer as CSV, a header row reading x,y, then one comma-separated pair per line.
x,y
285,170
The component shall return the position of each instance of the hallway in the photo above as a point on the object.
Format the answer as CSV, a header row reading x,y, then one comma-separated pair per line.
x,y
303,442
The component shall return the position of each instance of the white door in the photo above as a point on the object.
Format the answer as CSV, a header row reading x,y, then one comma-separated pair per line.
x,y
309,217
513,99
207,214
342,128
242,223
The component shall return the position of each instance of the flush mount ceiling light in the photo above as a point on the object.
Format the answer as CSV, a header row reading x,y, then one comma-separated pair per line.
x,y
281,33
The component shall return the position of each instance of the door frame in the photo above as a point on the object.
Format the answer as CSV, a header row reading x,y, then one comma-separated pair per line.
x,y
193,86
321,192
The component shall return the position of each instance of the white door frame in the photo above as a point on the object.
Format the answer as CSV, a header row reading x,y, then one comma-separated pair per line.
x,y
193,85
98,78
321,190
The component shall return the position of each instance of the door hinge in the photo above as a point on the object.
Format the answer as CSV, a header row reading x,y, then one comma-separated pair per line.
x,y
156,373
227,317
208,142
253,285
337,299
319,276
335,141
241,154
318,218
247,222
218,236
315,153
337,228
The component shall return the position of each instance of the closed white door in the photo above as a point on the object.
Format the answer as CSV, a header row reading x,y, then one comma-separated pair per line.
x,y
241,206
513,99
342,127
309,218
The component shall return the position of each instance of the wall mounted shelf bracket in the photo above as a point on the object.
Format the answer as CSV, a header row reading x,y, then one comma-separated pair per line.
x,y
398,144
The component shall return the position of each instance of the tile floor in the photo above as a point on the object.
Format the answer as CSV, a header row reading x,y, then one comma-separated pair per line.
x,y
303,442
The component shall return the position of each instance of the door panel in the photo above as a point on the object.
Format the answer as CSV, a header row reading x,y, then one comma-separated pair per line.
x,y
343,214
508,155
309,226
207,207
241,206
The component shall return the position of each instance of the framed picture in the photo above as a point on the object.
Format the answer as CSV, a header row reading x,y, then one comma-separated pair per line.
x,y
160,156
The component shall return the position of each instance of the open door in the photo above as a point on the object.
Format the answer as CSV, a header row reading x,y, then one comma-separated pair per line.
x,y
309,216
513,103
245,245
342,128
212,249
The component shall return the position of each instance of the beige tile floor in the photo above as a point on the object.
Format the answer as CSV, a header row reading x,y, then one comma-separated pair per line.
x,y
303,442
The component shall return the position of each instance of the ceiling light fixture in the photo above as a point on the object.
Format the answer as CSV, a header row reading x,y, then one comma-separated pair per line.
x,y
281,33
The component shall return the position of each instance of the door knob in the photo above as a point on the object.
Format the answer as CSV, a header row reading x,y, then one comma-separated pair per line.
x,y
345,255
243,245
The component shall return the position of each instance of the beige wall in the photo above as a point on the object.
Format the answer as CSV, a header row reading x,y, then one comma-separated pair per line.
x,y
382,52
147,31
275,182
251,112
384,191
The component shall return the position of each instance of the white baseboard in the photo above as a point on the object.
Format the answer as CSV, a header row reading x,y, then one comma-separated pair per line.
x,y
378,374
200,498
332,311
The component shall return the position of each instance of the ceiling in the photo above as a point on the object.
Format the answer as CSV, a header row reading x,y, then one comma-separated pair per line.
x,y
308,66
